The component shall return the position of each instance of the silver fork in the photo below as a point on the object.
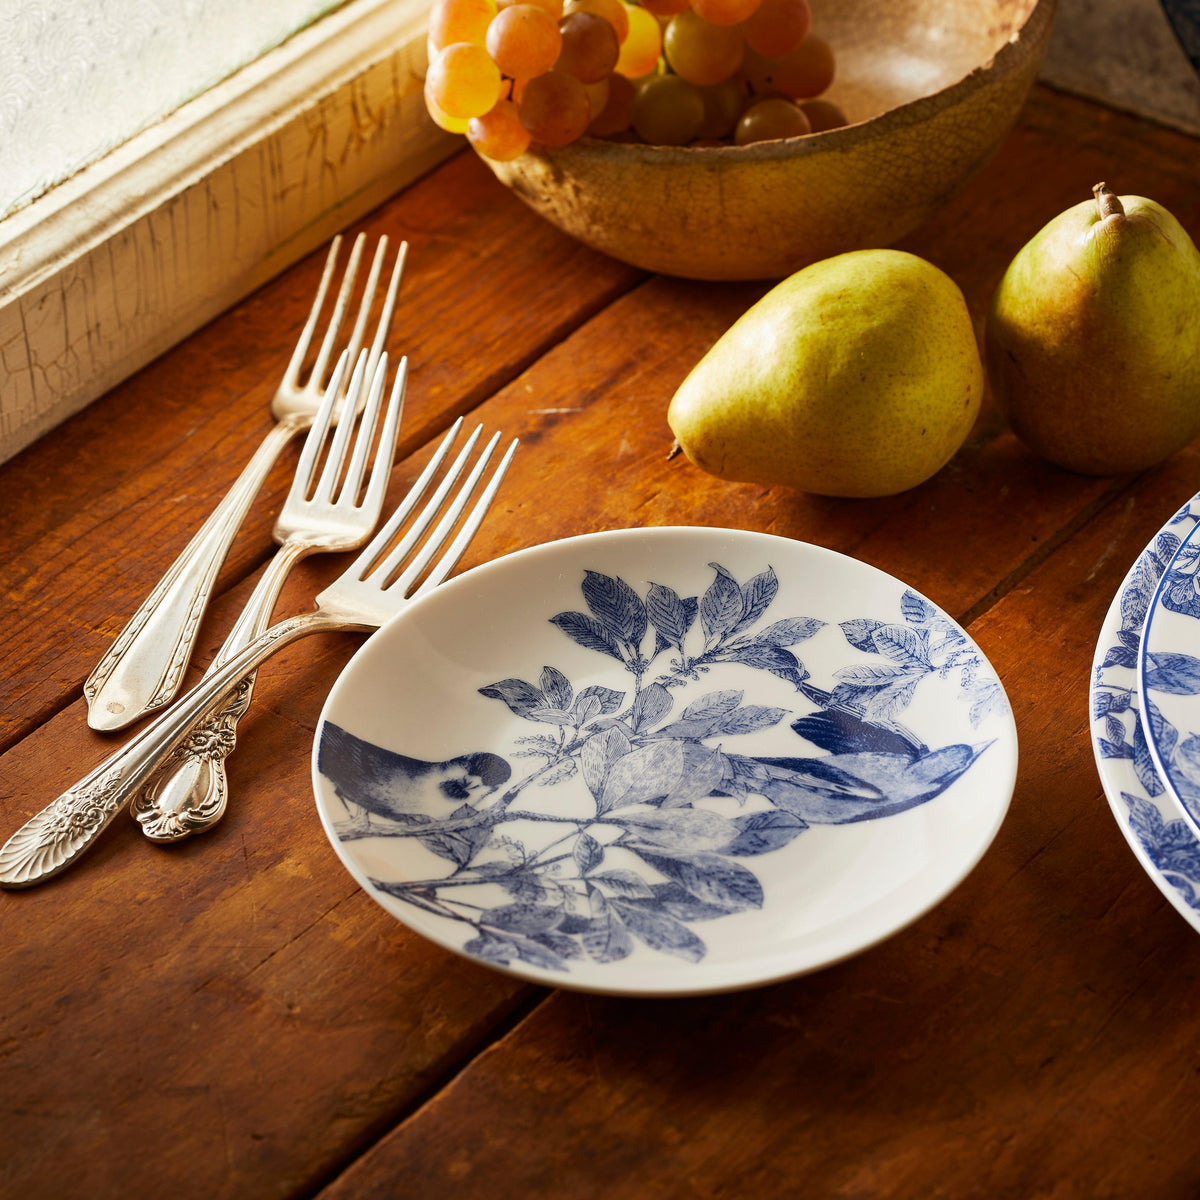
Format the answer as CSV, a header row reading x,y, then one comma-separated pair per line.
x,y
361,599
144,666
191,791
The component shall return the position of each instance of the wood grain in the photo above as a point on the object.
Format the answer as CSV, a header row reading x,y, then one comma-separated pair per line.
x,y
998,1047
232,1017
95,514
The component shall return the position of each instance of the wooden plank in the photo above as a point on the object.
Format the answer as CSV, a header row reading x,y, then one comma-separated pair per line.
x,y
93,516
998,1047
231,1017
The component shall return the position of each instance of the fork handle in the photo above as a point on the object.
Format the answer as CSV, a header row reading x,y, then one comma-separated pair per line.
x,y
54,838
142,669
188,794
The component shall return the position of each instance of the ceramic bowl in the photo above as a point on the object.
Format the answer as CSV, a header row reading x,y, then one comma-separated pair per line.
x,y
931,88
664,761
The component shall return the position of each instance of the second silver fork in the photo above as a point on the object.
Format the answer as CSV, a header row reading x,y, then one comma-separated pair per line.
x,y
144,666
191,792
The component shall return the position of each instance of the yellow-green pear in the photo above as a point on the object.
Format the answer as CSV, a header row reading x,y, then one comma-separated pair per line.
x,y
859,375
1093,338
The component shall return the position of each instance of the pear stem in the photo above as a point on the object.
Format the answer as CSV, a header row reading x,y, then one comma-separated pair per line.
x,y
1108,200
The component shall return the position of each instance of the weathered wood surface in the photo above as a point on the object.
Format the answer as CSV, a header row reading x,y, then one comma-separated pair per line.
x,y
232,1017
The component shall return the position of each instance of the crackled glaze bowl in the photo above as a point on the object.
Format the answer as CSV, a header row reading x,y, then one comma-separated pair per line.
x,y
931,88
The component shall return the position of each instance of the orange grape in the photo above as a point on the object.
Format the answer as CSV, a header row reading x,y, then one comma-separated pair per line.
x,y
453,21
444,119
523,41
823,115
617,113
643,44
666,8
554,108
613,11
724,12
804,73
499,134
553,7
770,119
667,111
463,81
589,47
778,26
700,52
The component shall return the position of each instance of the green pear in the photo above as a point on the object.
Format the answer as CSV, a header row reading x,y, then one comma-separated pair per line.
x,y
1093,339
859,375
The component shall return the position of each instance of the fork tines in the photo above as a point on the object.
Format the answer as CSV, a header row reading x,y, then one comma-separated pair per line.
x,y
382,560
291,378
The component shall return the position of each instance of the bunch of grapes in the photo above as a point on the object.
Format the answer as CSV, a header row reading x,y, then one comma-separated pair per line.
x,y
508,73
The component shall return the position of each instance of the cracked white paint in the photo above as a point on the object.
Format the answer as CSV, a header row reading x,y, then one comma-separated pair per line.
x,y
118,263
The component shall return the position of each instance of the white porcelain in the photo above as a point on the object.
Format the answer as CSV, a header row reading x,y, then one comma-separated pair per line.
x,y
1152,820
665,761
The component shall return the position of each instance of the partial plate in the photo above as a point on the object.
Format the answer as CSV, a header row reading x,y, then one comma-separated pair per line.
x,y
665,761
1168,679
1152,820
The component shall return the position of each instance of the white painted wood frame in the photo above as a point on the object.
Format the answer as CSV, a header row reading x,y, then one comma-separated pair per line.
x,y
129,256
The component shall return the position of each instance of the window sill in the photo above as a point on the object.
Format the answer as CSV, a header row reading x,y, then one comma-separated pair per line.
x,y
120,262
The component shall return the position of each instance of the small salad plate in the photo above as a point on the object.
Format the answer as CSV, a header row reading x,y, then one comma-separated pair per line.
x,y
665,761
1150,817
1168,677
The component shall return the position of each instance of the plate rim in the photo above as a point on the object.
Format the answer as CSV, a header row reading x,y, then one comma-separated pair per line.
x,y
766,972
1107,767
1152,608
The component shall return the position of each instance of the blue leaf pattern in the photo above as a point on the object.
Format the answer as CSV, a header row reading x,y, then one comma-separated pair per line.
x,y
650,857
1117,728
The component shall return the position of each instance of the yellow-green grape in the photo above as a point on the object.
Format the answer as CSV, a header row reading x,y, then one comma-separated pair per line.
x,y
642,45
499,134
823,115
463,81
613,11
667,111
554,108
700,52
523,41
724,12
801,75
723,105
617,114
589,47
778,27
666,8
597,94
770,119
444,119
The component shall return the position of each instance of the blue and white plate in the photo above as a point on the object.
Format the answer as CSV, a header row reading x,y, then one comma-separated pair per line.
x,y
665,761
1168,680
1153,821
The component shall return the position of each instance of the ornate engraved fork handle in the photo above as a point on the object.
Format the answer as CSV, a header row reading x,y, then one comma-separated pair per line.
x,y
142,669
55,837
190,793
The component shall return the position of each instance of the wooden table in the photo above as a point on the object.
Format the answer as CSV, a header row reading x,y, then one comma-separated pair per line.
x,y
231,1016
